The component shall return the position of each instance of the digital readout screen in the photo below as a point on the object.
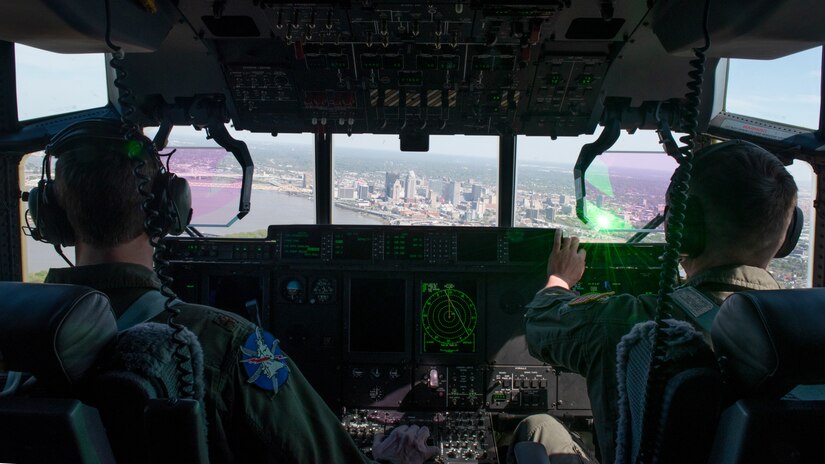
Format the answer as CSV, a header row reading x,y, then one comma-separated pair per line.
x,y
529,245
352,245
404,245
477,246
301,244
449,317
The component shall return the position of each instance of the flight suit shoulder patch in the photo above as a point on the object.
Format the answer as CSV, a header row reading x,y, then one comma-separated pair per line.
x,y
691,299
225,321
589,298
263,361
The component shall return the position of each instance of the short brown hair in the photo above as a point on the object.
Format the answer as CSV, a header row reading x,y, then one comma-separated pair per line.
x,y
97,186
746,194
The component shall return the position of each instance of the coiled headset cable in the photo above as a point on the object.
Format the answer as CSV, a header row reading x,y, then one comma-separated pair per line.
x,y
153,221
650,444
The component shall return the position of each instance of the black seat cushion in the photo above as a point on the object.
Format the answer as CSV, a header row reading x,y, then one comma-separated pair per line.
x,y
772,340
53,331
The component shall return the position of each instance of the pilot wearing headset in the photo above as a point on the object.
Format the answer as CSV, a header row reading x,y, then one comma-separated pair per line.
x,y
741,213
259,407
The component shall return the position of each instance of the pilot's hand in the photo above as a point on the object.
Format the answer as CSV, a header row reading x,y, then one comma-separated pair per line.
x,y
405,445
565,266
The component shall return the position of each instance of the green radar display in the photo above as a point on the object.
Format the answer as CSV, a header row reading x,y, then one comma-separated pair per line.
x,y
449,317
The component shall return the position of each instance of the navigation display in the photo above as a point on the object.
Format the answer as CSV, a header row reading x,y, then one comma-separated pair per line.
x,y
376,315
352,245
403,245
529,245
449,317
301,244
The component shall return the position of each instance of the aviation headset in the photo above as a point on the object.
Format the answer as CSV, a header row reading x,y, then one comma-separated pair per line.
x,y
695,236
172,197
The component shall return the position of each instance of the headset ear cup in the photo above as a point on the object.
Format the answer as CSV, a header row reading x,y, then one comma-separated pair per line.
x,y
180,200
50,220
173,203
792,234
693,237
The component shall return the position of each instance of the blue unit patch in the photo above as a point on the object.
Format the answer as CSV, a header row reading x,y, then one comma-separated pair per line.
x,y
263,361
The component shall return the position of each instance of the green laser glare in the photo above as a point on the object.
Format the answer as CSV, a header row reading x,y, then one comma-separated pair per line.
x,y
598,176
604,220
134,149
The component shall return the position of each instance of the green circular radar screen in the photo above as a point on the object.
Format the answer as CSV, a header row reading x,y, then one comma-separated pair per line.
x,y
449,318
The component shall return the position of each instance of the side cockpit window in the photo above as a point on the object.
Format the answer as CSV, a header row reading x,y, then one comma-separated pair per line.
x,y
51,83
785,91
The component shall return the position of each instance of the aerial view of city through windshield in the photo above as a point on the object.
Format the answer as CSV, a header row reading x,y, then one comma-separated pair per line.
x,y
370,187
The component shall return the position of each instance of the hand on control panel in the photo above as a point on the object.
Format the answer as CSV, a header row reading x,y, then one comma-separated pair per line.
x,y
566,263
405,445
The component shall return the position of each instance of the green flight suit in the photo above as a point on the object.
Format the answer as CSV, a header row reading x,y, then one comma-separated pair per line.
x,y
245,423
581,333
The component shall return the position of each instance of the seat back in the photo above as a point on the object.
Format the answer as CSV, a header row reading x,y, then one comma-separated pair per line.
x,y
683,401
66,336
769,343
35,430
137,377
55,332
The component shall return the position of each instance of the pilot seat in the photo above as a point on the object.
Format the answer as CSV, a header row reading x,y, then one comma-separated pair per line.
x,y
93,394
761,399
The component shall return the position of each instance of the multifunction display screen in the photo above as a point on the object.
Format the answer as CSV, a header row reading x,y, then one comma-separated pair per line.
x,y
376,315
526,246
449,317
477,246
352,245
301,244
404,245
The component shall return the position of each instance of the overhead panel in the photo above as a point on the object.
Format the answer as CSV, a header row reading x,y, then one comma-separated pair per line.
x,y
393,67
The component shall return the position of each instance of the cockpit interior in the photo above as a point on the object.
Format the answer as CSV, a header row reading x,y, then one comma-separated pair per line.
x,y
379,183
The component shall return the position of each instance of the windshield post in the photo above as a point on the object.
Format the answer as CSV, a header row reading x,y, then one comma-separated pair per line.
x,y
323,177
506,180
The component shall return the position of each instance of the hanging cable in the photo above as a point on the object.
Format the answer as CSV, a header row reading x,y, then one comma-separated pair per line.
x,y
651,438
150,205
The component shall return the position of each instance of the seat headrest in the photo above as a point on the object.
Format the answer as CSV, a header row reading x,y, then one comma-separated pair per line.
x,y
770,341
53,331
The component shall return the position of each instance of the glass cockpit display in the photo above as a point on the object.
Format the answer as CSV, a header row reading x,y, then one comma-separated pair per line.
x,y
376,315
301,244
352,245
404,245
449,317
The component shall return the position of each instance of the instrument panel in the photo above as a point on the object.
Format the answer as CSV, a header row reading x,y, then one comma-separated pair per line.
x,y
406,318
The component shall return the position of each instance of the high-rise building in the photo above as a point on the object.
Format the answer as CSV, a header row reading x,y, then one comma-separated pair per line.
x,y
532,213
550,214
477,192
363,192
410,187
562,199
397,190
600,201
436,186
452,193
389,182
346,193
479,208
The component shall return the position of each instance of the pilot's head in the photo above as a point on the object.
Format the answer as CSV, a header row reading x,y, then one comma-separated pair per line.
x,y
741,201
97,184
